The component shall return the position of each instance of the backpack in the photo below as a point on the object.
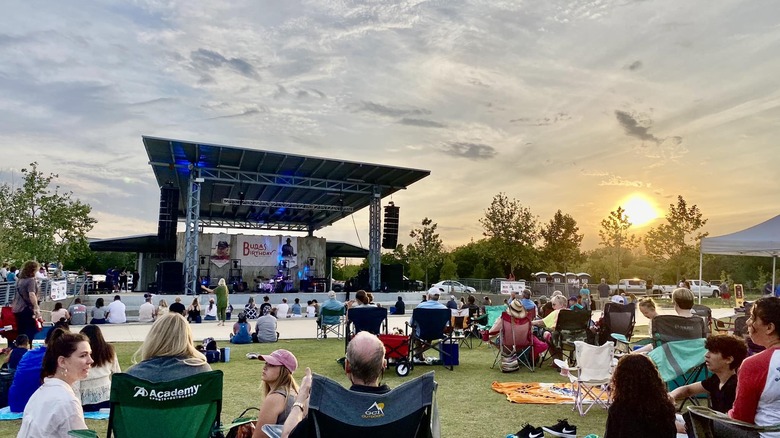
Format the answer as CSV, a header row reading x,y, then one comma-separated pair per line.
x,y
209,344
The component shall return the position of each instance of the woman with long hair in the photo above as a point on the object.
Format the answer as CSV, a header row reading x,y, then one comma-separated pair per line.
x,y
241,331
193,312
211,311
99,312
25,303
59,312
758,394
221,292
162,308
96,388
54,409
640,403
168,352
279,389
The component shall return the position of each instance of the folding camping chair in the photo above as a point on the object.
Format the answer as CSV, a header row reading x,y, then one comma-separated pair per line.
x,y
492,313
516,340
678,345
428,326
188,407
369,319
708,423
572,325
408,410
460,325
617,319
330,321
705,313
591,375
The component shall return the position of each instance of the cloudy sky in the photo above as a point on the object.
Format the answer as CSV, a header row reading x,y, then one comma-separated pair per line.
x,y
571,105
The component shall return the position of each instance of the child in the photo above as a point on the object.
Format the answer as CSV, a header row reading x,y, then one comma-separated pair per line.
x,y
21,346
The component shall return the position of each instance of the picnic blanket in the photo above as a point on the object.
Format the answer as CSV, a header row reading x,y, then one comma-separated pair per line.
x,y
538,393
6,414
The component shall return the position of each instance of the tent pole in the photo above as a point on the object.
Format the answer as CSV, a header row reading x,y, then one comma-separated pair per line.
x,y
774,263
701,258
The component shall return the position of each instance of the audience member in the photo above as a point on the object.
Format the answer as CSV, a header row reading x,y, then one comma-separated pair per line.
x,y
279,388
25,303
221,292
250,309
27,377
177,307
310,310
471,304
20,347
647,307
146,311
162,308
431,303
12,274
640,404
282,310
78,313
452,304
585,297
517,310
296,308
758,394
400,306
241,331
54,409
98,312
211,311
603,289
168,353
193,311
331,304
116,311
361,300
528,304
265,308
364,365
95,390
59,312
683,303
265,329
724,356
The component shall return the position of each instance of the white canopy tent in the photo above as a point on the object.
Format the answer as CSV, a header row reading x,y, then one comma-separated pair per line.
x,y
762,240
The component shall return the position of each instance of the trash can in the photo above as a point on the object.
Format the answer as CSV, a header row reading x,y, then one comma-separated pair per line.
x,y
453,353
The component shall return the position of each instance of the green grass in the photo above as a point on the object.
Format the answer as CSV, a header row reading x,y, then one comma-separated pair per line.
x,y
467,405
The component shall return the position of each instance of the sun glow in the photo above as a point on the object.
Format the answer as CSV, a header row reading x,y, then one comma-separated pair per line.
x,y
639,210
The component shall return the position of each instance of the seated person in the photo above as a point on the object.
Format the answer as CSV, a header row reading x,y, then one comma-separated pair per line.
x,y
517,310
364,365
193,312
241,331
724,356
545,307
574,303
683,303
279,387
251,311
211,311
431,303
296,308
558,303
265,329
526,300
331,304
647,307
400,306
27,377
20,347
59,312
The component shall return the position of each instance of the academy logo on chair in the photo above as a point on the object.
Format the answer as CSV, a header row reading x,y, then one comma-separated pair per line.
x,y
173,394
376,410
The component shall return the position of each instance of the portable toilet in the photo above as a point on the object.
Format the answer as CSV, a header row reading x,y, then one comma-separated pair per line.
x,y
557,277
584,278
541,276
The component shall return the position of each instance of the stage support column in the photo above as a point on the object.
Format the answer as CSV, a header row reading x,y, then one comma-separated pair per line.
x,y
191,232
375,240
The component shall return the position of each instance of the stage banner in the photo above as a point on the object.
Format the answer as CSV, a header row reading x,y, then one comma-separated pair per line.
x,y
258,250
59,290
220,249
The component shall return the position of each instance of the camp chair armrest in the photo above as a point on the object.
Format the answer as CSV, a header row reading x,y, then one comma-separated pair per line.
x,y
83,433
724,418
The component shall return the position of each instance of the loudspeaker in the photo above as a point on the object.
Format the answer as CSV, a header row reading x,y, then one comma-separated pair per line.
x,y
390,233
392,277
169,216
170,277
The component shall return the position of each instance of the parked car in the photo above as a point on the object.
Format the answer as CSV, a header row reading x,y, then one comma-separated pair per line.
x,y
452,286
630,286
413,285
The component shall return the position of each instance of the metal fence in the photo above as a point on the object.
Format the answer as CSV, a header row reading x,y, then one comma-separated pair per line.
x,y
76,285
538,288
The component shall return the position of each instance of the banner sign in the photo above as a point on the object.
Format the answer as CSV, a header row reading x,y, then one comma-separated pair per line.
x,y
220,249
59,290
508,287
258,250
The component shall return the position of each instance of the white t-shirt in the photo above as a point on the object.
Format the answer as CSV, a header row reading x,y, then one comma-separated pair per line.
x,y
116,312
310,311
281,310
146,312
212,311
52,411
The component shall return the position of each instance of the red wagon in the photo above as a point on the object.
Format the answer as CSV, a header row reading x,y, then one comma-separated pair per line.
x,y
397,352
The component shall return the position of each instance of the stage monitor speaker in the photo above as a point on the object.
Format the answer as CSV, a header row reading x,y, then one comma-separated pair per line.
x,y
170,277
168,217
390,232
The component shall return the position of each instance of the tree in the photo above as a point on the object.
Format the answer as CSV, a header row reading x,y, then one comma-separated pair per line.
x,y
512,231
427,249
676,242
38,223
615,236
449,269
562,242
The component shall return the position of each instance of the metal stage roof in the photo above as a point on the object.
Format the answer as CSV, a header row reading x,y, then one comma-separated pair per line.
x,y
246,188
149,243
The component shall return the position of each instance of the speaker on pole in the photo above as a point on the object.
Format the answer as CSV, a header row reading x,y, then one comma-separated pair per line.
x,y
390,233
166,223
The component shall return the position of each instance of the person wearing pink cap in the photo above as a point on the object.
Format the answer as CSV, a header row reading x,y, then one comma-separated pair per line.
x,y
279,388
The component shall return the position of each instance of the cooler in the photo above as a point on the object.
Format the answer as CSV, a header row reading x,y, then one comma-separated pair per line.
x,y
453,353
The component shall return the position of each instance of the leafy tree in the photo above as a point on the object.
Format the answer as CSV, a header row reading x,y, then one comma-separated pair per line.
x,y
561,249
449,269
39,223
676,242
427,249
615,235
512,231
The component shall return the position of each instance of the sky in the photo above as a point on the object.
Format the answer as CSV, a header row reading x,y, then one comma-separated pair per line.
x,y
573,105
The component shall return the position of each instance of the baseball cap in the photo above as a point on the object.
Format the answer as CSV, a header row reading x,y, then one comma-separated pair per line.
x,y
281,358
331,294
222,244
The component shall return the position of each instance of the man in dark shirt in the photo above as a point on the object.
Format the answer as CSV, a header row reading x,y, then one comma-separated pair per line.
x,y
178,307
603,288
364,364
400,306
265,308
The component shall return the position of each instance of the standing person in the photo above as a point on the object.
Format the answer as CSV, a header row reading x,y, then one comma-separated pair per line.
x,y
54,409
279,389
193,312
168,352
116,311
4,272
98,313
640,404
25,303
146,312
758,394
221,292
78,313
585,296
603,289
211,311
123,280
177,307
59,312
95,390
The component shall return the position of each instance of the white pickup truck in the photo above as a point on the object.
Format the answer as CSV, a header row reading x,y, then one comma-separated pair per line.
x,y
699,290
630,286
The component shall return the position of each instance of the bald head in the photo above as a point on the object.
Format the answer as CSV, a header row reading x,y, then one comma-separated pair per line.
x,y
366,359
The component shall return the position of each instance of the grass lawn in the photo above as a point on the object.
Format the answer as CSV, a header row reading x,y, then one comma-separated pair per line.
x,y
468,407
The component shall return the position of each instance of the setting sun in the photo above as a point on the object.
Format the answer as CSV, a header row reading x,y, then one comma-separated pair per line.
x,y
639,210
